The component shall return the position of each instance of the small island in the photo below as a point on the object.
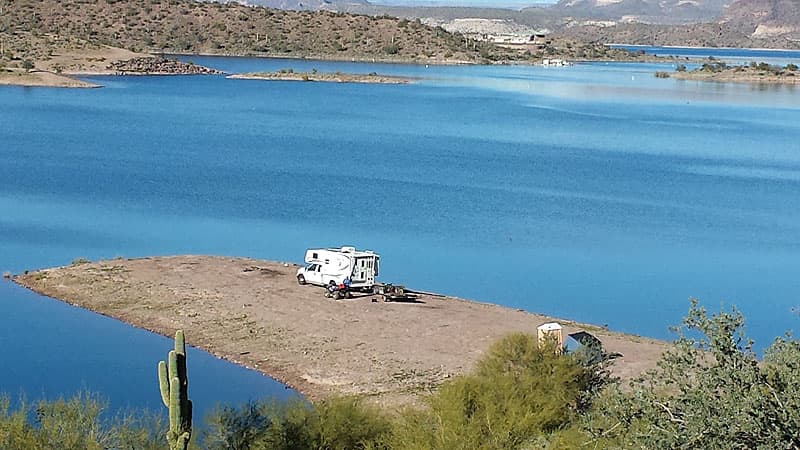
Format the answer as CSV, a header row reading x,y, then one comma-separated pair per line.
x,y
753,73
314,75
159,65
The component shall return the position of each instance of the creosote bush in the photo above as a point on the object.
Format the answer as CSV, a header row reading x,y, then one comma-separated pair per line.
x,y
336,423
74,424
521,395
709,391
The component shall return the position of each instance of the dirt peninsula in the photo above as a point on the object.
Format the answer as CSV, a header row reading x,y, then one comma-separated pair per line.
x,y
253,313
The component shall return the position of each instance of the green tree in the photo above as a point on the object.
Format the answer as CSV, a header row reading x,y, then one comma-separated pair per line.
x,y
27,65
708,391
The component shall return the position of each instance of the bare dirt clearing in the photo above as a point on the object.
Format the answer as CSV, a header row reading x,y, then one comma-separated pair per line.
x,y
255,314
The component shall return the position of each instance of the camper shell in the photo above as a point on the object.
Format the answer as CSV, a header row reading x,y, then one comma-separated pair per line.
x,y
345,265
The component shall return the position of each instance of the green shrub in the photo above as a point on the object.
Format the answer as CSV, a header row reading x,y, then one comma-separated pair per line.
x,y
391,49
337,423
74,424
709,391
520,394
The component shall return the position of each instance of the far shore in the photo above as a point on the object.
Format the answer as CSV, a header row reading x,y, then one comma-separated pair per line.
x,y
730,76
338,77
254,313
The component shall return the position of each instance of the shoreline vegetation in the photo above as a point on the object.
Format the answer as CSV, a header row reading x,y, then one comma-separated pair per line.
x,y
314,75
753,73
392,353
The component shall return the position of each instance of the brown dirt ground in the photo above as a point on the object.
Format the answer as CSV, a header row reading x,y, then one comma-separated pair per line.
x,y
255,314
38,78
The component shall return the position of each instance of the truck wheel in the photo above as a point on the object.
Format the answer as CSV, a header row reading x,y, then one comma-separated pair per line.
x,y
301,280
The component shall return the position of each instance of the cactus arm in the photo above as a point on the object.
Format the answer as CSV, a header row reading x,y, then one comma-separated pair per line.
x,y
163,382
172,365
180,342
174,407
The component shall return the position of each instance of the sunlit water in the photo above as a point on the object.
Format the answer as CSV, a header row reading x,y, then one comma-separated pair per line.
x,y
594,192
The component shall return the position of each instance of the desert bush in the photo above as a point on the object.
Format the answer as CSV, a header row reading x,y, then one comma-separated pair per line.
x,y
391,49
337,423
521,395
74,424
709,391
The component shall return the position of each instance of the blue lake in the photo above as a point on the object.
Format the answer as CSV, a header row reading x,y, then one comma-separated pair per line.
x,y
594,192
737,55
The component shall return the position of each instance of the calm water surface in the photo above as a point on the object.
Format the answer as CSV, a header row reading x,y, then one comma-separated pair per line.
x,y
595,192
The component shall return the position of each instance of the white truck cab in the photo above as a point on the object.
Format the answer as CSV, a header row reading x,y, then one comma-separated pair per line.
x,y
325,266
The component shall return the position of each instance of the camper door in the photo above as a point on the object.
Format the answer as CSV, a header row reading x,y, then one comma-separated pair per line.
x,y
364,272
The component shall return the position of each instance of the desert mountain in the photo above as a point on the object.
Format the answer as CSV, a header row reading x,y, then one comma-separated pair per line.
x,y
310,5
646,11
766,18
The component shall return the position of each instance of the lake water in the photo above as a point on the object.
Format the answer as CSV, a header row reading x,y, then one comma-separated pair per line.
x,y
594,192
733,55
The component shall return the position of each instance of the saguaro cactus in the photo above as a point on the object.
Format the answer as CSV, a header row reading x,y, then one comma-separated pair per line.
x,y
174,393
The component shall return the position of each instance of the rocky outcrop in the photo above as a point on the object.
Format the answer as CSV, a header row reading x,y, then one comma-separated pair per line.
x,y
159,66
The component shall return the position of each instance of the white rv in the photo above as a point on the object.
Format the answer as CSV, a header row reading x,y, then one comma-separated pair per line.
x,y
327,266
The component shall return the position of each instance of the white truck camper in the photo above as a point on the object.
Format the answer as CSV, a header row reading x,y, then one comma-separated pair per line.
x,y
326,266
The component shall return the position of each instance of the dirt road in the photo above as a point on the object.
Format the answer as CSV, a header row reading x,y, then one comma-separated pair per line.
x,y
255,314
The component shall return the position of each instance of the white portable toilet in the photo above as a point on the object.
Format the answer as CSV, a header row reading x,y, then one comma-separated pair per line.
x,y
551,330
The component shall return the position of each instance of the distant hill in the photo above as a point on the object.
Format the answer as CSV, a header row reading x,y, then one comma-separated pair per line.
x,y
744,23
34,28
310,5
646,11
766,18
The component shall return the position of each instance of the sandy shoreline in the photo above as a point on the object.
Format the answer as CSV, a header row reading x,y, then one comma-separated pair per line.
x,y
322,77
42,79
254,313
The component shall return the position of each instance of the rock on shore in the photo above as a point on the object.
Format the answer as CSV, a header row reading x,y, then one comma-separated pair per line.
x,y
159,66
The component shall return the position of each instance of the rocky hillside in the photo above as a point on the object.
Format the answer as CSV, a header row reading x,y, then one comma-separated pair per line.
x,y
745,23
34,29
766,18
647,11
699,35
310,5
